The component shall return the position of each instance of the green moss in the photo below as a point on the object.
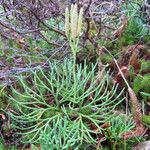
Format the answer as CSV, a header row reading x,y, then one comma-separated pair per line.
x,y
146,120
133,32
142,83
106,58
3,147
145,65
146,38
3,93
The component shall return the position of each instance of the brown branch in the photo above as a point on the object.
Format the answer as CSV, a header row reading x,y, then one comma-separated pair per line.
x,y
15,30
43,23
136,109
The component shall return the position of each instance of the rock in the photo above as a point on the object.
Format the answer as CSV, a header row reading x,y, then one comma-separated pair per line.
x,y
142,146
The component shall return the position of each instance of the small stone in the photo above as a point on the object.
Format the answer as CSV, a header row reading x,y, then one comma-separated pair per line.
x,y
142,146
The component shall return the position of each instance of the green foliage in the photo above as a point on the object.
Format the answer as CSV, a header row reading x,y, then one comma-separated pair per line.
x,y
118,126
3,95
146,120
145,65
136,27
61,136
59,96
133,32
1,144
145,94
3,147
142,83
146,38
106,58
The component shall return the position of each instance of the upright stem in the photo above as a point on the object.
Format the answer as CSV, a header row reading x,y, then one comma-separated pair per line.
x,y
74,48
74,73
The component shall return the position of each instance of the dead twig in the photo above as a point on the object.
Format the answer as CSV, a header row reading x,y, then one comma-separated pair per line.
x,y
136,110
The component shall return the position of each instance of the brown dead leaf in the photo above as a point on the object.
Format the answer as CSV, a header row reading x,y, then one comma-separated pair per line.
x,y
105,125
134,58
139,131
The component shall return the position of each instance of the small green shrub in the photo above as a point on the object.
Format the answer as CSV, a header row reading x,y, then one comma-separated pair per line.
x,y
136,27
118,126
142,83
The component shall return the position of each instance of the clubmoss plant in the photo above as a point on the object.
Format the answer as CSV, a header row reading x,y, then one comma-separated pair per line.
x,y
66,105
53,97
